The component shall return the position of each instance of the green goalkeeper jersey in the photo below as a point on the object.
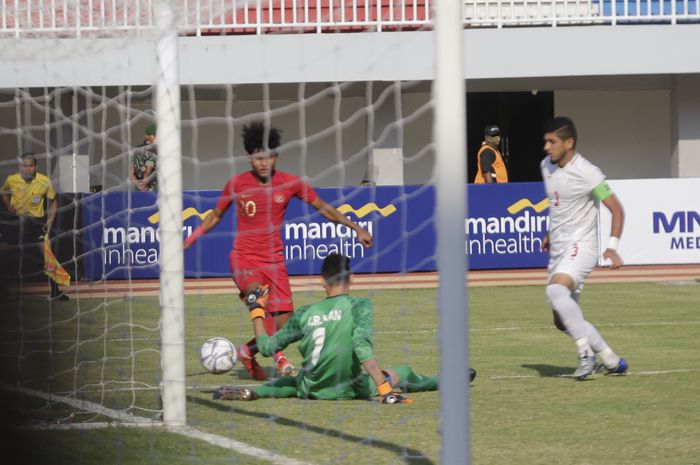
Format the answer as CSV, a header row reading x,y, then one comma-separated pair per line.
x,y
335,338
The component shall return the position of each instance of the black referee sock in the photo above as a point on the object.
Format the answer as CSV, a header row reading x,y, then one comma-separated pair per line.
x,y
54,288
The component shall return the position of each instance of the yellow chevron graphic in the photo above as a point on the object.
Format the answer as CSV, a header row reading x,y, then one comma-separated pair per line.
x,y
188,212
367,209
525,203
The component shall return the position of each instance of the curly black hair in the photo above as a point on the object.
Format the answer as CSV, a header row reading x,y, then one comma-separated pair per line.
x,y
254,135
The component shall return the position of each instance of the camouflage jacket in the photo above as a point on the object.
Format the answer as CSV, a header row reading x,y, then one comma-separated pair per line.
x,y
142,157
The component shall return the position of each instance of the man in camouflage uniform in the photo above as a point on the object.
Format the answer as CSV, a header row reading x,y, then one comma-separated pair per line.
x,y
142,171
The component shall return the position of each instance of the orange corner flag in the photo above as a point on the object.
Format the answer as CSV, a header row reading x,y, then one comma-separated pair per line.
x,y
52,268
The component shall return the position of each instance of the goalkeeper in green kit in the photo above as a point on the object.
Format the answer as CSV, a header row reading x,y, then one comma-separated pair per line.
x,y
335,340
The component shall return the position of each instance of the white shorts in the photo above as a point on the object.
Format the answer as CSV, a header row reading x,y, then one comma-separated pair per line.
x,y
577,260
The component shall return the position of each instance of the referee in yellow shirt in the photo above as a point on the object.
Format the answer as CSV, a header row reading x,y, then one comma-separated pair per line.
x,y
25,195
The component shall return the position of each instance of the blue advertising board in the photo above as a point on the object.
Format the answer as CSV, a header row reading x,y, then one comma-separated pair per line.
x,y
503,229
505,225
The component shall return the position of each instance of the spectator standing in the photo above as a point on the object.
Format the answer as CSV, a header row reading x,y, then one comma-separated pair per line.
x,y
142,171
490,165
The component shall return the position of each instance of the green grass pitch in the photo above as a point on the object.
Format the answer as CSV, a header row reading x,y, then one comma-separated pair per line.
x,y
524,407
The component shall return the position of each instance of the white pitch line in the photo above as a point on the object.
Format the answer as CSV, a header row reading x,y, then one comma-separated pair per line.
x,y
232,444
80,404
87,426
630,373
130,420
201,387
502,328
605,325
388,331
198,387
662,372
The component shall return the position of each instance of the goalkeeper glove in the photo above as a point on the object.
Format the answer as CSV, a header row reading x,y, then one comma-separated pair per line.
x,y
256,301
233,393
390,397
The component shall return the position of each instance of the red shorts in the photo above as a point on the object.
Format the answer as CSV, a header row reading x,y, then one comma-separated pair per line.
x,y
246,271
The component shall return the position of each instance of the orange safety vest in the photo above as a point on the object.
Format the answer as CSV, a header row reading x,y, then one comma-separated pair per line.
x,y
498,166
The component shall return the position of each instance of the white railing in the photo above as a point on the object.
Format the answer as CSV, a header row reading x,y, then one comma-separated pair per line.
x,y
96,18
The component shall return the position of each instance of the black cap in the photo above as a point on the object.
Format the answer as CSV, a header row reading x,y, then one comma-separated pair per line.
x,y
492,130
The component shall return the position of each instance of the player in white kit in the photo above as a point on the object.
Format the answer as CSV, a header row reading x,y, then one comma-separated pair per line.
x,y
575,188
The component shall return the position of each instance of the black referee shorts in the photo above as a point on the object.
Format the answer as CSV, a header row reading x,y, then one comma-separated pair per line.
x,y
22,255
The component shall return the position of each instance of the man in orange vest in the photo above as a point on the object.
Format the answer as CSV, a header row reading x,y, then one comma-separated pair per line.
x,y
490,165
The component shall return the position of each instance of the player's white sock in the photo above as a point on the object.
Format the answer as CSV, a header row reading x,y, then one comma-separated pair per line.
x,y
610,358
570,316
583,347
600,347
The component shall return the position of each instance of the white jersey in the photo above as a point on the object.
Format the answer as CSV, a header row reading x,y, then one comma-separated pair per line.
x,y
573,209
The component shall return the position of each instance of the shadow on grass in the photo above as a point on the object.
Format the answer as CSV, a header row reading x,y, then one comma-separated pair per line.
x,y
242,373
549,371
407,455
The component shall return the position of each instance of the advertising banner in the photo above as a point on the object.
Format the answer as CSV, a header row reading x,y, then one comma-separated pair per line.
x,y
120,235
505,225
504,229
662,221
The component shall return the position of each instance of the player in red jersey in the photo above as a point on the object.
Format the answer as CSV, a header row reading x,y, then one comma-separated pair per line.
x,y
261,196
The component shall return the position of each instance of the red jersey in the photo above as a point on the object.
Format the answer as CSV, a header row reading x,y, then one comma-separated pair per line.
x,y
261,209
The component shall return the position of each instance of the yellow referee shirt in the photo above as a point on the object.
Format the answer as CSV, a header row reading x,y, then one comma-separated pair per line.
x,y
28,198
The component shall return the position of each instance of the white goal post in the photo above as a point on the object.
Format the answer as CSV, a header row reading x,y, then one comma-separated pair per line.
x,y
169,167
450,144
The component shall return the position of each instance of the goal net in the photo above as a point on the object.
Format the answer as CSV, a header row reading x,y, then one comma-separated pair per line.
x,y
86,85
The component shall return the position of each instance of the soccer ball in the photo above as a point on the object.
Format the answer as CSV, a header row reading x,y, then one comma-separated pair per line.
x,y
218,355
